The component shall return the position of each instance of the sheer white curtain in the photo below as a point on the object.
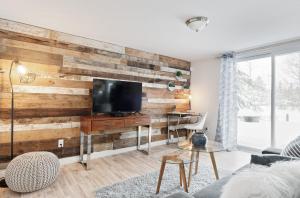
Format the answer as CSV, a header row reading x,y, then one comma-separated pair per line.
x,y
227,115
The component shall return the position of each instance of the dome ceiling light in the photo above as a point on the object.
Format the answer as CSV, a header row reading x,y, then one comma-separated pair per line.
x,y
197,23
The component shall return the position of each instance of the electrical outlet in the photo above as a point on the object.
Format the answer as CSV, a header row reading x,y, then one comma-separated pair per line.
x,y
60,143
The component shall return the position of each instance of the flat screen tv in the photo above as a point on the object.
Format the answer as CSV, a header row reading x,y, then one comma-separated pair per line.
x,y
116,97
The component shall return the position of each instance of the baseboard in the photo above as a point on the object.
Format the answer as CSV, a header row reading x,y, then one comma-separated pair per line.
x,y
95,155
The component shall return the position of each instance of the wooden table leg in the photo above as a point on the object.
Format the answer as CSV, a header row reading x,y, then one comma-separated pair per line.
x,y
197,162
161,173
213,161
182,170
190,169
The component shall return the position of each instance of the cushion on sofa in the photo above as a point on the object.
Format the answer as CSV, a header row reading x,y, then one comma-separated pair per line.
x,y
278,181
292,149
214,190
267,160
271,151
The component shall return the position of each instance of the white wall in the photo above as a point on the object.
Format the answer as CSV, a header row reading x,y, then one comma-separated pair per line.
x,y
204,87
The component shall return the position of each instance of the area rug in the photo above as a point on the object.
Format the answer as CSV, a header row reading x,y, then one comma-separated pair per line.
x,y
145,186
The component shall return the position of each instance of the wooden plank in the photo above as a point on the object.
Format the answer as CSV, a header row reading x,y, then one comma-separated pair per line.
x,y
120,69
24,41
165,93
141,54
46,101
62,49
175,63
43,120
30,67
35,135
50,82
163,100
50,90
102,146
143,65
149,82
35,127
12,53
41,145
58,36
143,69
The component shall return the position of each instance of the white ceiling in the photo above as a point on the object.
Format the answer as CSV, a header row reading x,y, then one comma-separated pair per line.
x,y
159,25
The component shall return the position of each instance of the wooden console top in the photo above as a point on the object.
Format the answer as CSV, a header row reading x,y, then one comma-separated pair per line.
x,y
98,123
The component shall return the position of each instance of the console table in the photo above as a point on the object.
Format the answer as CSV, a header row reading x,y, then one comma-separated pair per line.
x,y
91,125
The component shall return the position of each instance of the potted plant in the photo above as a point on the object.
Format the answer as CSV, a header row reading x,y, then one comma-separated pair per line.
x,y
171,86
178,75
186,86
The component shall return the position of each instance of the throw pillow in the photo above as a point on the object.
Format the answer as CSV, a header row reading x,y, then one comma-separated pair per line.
x,y
292,149
268,160
280,180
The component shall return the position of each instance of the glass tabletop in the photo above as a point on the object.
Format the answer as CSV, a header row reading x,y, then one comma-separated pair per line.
x,y
177,158
211,146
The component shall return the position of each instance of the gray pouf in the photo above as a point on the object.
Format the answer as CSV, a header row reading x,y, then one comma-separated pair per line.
x,y
32,171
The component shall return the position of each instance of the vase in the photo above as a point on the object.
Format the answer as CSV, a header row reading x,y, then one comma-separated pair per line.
x,y
199,139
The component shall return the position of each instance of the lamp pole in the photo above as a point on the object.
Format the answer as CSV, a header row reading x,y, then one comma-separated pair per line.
x,y
12,111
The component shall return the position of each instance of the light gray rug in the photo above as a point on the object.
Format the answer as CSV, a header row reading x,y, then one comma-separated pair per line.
x,y
145,186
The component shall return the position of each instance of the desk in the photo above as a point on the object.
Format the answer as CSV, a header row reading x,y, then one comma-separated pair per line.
x,y
178,115
91,125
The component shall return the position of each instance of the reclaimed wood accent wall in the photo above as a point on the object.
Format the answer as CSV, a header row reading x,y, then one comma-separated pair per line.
x,y
48,109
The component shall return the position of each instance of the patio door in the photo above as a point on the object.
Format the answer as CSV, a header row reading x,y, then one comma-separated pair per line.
x,y
254,102
287,98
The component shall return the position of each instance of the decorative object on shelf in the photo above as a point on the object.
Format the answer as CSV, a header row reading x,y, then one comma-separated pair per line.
x,y
199,139
197,23
25,77
171,86
186,86
178,75
32,171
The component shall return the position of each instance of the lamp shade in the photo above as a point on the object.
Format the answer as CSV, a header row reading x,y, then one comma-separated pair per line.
x,y
21,69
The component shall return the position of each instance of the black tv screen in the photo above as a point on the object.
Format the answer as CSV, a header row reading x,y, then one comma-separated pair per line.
x,y
111,96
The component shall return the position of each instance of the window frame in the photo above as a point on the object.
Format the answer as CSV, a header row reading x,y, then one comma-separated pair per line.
x,y
270,51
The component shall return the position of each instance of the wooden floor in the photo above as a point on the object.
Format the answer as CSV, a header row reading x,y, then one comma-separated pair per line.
x,y
75,181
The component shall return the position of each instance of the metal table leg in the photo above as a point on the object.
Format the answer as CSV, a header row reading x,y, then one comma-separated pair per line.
x,y
178,122
149,138
89,148
168,118
81,146
139,137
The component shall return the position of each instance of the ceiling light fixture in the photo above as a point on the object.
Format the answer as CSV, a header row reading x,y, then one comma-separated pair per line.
x,y
197,23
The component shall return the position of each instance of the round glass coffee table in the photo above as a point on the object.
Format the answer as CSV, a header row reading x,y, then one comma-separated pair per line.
x,y
211,147
179,158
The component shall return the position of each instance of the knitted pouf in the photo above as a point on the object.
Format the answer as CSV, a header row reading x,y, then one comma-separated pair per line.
x,y
32,171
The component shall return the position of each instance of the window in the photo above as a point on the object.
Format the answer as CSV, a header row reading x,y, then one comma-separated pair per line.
x,y
268,100
254,102
287,98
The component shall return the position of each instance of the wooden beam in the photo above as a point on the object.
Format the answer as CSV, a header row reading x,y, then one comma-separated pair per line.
x,y
58,36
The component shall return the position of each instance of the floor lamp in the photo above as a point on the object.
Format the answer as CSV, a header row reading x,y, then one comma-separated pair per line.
x,y
25,77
